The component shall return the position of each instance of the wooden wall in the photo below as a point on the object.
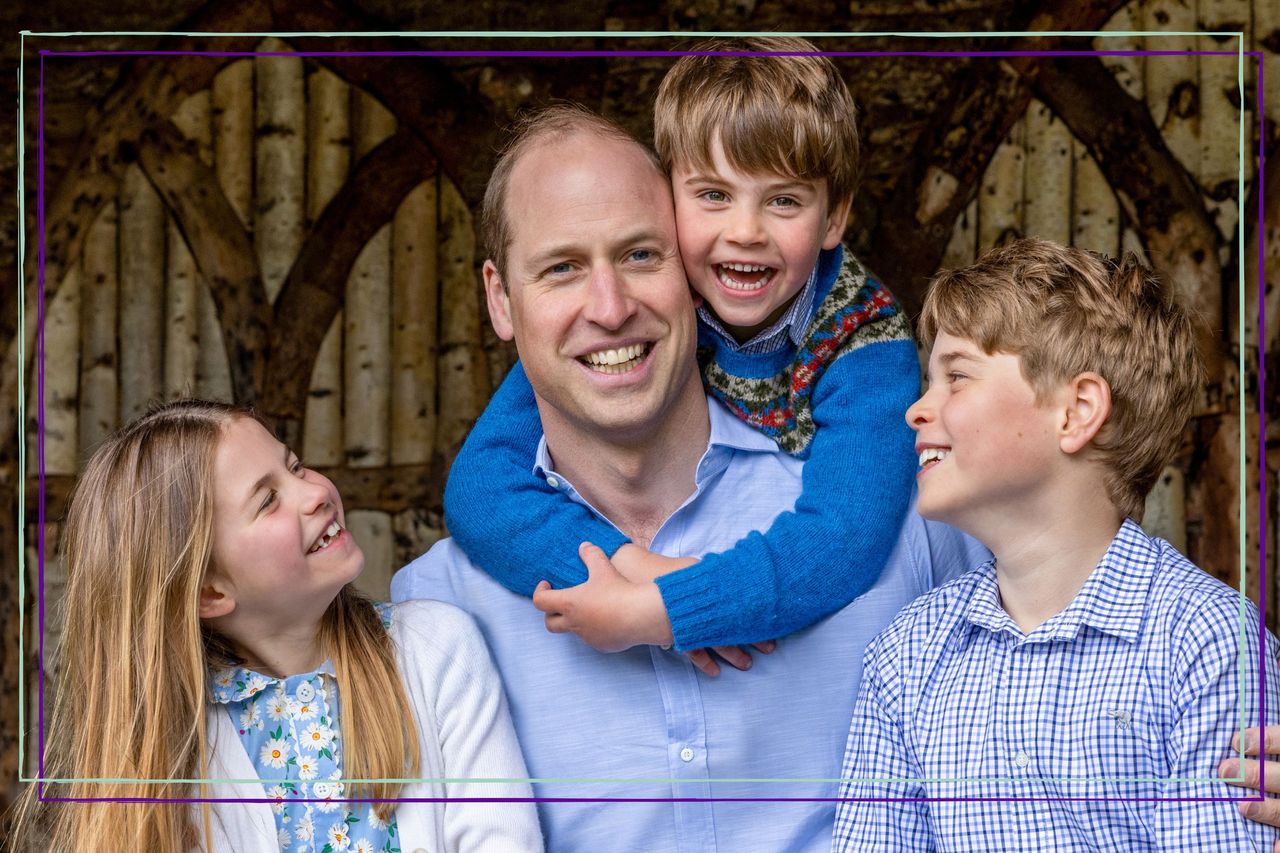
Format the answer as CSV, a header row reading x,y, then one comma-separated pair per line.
x,y
408,364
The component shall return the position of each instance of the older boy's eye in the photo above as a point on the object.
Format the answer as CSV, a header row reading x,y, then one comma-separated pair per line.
x,y
785,201
714,195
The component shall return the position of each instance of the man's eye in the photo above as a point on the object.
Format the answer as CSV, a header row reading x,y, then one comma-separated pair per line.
x,y
642,255
560,269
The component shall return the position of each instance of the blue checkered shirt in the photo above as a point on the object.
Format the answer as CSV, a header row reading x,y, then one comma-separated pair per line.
x,y
791,326
1128,698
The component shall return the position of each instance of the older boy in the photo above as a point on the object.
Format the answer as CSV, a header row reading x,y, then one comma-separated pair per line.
x,y
1087,665
794,338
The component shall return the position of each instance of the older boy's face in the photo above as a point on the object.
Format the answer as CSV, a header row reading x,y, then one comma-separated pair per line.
x,y
596,300
986,447
749,241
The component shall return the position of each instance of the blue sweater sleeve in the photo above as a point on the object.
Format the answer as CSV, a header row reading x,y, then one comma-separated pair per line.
x,y
832,547
508,521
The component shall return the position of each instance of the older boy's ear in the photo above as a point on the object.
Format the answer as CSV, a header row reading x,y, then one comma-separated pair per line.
x,y
499,301
837,219
1088,404
215,598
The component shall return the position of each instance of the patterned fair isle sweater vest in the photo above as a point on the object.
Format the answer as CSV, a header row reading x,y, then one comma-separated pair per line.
x,y
856,311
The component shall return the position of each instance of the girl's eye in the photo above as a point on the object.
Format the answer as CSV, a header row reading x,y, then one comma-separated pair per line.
x,y
297,467
268,501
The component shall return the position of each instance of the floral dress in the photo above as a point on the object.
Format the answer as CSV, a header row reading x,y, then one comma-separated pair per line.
x,y
289,728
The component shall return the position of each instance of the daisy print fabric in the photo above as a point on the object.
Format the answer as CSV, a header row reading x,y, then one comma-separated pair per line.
x,y
289,728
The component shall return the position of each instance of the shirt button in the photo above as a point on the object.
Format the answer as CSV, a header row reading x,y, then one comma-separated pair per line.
x,y
686,754
320,789
553,481
666,647
306,692
1022,759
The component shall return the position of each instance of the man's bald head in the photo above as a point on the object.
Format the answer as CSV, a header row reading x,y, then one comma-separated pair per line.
x,y
549,124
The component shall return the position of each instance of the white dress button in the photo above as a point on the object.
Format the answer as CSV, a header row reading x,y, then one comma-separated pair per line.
x,y
306,692
1022,759
553,481
686,754
321,789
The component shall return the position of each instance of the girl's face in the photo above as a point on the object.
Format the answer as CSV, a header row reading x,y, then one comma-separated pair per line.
x,y
281,551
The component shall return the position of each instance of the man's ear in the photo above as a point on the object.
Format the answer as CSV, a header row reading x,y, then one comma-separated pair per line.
x,y
1087,400
216,597
499,302
837,219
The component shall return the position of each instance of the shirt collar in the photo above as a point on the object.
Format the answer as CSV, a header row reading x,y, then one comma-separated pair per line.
x,y
1113,599
237,683
728,434
793,323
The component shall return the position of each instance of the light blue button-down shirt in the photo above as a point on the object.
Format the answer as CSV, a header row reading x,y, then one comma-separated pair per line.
x,y
645,724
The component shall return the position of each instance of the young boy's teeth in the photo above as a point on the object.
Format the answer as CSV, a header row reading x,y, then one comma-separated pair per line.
x,y
737,276
618,360
932,454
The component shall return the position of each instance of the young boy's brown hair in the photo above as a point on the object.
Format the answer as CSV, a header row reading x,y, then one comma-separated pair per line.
x,y
778,110
1065,311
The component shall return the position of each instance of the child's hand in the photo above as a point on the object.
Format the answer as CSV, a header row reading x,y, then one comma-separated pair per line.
x,y
609,612
736,656
640,564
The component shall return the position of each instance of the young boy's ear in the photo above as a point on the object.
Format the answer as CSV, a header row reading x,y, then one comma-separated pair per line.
x,y
215,597
837,219
1087,400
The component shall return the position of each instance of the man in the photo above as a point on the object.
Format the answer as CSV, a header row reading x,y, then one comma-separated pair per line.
x,y
590,264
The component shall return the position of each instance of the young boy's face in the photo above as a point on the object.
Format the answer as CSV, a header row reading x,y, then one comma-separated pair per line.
x,y
750,241
987,449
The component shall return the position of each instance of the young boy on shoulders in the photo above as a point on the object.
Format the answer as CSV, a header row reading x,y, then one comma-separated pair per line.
x,y
1087,665
794,337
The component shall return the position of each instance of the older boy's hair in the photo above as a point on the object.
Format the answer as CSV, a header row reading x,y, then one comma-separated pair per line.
x,y
792,115
1067,311
553,122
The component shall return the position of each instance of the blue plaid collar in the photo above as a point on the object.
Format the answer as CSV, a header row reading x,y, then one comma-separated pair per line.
x,y
1113,599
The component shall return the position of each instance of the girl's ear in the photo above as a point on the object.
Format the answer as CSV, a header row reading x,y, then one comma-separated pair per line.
x,y
215,598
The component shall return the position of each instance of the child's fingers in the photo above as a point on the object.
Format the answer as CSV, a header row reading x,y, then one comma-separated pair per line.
x,y
702,659
735,656
548,600
766,647
556,623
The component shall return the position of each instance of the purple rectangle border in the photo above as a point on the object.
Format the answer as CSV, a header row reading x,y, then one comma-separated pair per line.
x,y
1262,449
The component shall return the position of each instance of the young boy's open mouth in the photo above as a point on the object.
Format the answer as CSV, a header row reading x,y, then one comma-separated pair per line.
x,y
737,276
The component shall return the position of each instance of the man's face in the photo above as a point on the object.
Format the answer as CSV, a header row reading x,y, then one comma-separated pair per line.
x,y
595,297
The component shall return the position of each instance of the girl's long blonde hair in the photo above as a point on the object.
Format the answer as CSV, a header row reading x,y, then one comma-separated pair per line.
x,y
132,696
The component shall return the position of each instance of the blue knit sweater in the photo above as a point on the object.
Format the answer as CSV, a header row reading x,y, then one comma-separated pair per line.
x,y
836,400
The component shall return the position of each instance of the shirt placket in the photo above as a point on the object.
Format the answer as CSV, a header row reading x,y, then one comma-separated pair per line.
x,y
305,693
687,759
1025,760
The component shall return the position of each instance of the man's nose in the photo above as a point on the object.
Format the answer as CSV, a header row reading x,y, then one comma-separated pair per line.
x,y
608,303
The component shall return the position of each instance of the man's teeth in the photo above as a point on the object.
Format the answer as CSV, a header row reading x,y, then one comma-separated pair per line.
x,y
325,538
932,454
618,360
758,276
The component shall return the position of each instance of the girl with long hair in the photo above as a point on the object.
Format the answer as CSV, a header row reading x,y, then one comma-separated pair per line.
x,y
213,633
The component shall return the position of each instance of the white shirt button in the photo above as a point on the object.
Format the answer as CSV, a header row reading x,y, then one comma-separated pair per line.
x,y
1022,759
686,754
321,789
666,647
306,692
553,481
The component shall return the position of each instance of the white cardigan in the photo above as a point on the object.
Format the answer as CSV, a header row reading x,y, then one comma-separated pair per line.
x,y
464,732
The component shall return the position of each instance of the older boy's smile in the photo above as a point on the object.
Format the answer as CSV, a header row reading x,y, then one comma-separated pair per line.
x,y
930,456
